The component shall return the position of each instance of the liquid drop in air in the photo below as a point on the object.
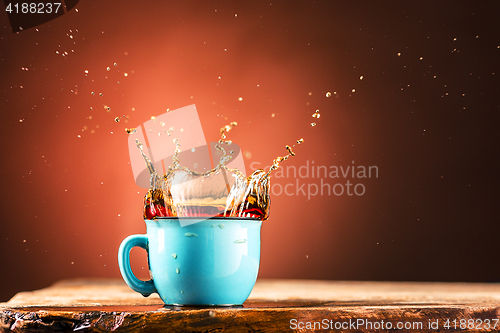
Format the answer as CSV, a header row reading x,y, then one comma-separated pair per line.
x,y
130,130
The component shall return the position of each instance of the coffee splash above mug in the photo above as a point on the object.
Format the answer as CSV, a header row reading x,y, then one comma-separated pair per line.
x,y
188,177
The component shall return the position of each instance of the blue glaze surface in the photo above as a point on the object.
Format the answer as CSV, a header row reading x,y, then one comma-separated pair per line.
x,y
197,264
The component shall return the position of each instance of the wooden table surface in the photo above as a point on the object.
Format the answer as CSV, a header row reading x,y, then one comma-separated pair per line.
x,y
104,305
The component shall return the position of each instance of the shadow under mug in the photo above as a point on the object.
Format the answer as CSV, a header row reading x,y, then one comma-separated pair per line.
x,y
204,262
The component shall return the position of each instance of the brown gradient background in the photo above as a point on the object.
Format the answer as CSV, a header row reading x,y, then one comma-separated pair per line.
x,y
432,214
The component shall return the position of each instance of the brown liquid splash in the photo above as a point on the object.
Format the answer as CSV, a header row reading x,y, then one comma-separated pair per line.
x,y
220,192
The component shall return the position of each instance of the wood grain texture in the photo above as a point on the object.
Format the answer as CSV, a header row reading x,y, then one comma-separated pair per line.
x,y
98,305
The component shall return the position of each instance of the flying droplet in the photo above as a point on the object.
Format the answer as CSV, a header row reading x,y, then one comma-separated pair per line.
x,y
138,143
130,130
313,124
240,99
174,255
328,94
100,94
108,69
117,119
361,77
300,141
125,74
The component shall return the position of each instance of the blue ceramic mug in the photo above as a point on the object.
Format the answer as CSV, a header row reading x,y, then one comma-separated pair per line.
x,y
196,262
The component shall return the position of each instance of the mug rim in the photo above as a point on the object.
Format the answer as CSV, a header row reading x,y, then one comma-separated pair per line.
x,y
204,218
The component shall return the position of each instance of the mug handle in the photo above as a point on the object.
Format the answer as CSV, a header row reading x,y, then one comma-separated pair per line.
x,y
146,288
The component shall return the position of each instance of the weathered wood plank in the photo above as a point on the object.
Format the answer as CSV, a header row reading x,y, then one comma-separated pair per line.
x,y
96,305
